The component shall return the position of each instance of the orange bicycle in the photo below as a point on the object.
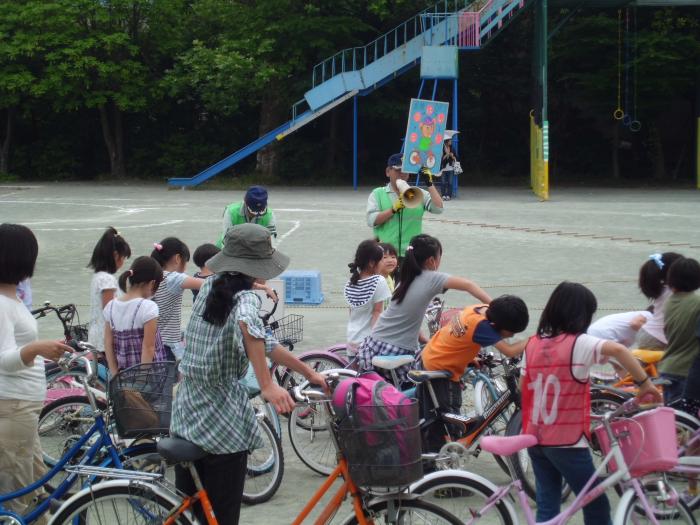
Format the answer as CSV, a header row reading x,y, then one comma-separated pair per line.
x,y
648,359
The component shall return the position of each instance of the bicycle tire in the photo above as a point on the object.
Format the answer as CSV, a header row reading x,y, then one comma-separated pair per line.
x,y
55,374
460,495
631,511
128,502
483,399
317,361
264,474
520,461
430,513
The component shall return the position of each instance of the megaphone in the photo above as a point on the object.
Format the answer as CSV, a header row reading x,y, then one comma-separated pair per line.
x,y
411,196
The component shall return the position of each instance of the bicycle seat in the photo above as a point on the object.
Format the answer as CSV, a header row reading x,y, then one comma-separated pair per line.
x,y
648,356
421,376
390,362
507,445
176,450
689,461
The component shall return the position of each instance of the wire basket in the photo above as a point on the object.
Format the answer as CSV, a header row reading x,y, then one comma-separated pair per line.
x,y
381,452
141,397
288,329
78,332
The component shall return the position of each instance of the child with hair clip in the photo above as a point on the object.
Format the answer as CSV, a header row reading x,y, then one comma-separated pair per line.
x,y
131,320
108,257
172,254
397,329
652,283
389,268
200,257
365,293
555,386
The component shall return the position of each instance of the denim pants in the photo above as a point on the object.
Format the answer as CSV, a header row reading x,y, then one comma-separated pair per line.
x,y
675,390
574,465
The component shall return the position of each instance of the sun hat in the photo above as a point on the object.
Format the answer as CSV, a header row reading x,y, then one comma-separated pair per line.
x,y
248,250
395,161
256,198
449,133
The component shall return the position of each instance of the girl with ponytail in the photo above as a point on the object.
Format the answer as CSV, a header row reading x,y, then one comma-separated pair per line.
x,y
131,320
398,328
365,293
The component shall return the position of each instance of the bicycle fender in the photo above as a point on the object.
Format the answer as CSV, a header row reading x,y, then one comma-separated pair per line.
x,y
622,506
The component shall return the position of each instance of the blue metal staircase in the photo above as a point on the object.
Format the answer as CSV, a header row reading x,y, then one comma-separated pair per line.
x,y
466,24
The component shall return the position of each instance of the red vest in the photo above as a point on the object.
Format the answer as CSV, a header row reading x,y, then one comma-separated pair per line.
x,y
556,405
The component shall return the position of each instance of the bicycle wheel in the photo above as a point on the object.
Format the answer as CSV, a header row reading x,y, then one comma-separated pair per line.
x,y
407,512
462,496
318,361
664,511
120,503
483,399
265,467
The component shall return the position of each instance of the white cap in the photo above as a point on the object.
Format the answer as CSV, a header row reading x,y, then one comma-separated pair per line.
x,y
449,133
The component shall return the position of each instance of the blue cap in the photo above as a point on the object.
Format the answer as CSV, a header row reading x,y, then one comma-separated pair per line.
x,y
395,161
256,198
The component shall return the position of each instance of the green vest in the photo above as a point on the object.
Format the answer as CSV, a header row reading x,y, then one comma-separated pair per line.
x,y
238,216
411,220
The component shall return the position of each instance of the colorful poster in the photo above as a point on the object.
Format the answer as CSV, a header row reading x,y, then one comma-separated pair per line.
x,y
427,120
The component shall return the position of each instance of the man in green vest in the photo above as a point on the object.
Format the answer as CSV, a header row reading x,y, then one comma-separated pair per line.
x,y
386,213
253,209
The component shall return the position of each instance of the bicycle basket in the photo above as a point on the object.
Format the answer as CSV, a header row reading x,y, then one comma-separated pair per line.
x,y
141,397
78,332
289,329
647,440
382,453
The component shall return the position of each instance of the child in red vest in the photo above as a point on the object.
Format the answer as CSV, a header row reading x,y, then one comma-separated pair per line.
x,y
455,346
556,397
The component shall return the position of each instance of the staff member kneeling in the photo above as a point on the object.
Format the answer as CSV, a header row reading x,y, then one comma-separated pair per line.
x,y
225,334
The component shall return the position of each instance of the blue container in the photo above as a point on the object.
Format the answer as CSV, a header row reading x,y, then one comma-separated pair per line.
x,y
302,287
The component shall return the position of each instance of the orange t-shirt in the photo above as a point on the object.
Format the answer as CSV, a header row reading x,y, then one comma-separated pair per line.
x,y
456,344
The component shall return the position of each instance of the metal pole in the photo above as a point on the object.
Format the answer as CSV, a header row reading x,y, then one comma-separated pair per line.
x,y
435,82
455,120
354,142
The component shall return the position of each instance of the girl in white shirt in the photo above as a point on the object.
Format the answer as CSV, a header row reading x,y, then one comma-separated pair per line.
x,y
108,257
366,293
22,379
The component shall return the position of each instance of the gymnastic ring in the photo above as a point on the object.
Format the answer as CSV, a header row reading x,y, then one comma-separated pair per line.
x,y
635,126
618,114
626,120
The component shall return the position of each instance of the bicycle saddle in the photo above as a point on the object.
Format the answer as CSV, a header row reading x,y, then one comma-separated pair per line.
x,y
390,362
176,450
648,356
507,445
421,376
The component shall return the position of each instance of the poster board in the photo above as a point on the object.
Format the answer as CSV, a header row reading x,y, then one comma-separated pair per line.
x,y
425,131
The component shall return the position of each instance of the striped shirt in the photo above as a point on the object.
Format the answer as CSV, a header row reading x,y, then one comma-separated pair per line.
x,y
211,407
169,301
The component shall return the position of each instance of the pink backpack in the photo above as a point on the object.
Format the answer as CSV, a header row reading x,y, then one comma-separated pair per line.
x,y
379,431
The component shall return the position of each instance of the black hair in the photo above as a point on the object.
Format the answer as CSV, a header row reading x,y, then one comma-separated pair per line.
x,y
168,248
421,248
203,253
143,270
391,250
652,278
102,259
221,300
569,310
18,251
508,312
684,275
367,252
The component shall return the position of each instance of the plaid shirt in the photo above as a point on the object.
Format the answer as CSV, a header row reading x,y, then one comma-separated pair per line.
x,y
211,407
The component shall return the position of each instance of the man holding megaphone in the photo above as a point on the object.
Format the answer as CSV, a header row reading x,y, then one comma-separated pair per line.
x,y
395,211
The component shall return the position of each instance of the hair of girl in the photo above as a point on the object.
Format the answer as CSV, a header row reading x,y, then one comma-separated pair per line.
x,y
367,252
102,259
17,263
421,248
684,275
389,248
168,248
144,269
569,310
221,298
652,274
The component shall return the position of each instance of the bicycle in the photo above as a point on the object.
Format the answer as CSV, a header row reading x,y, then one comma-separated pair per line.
x,y
480,500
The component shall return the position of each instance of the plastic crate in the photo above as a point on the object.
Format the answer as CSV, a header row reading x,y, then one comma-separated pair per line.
x,y
302,287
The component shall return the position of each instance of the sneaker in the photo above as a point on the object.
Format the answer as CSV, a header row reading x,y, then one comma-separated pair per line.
x,y
446,198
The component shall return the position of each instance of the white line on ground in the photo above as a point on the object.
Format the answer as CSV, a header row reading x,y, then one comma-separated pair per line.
x,y
287,234
100,228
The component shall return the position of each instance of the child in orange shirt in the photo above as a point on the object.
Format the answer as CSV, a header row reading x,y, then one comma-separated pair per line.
x,y
456,345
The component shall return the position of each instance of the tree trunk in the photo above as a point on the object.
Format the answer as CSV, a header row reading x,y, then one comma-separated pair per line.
x,y
6,140
113,133
616,150
272,114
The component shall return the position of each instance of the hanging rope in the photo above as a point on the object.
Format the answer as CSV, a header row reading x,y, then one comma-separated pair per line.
x,y
627,119
618,114
634,125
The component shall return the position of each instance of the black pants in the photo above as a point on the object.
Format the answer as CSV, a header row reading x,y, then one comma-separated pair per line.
x,y
449,398
223,477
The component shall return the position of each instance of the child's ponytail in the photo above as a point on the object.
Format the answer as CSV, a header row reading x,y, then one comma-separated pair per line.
x,y
367,252
421,248
168,248
111,242
652,274
143,270
220,300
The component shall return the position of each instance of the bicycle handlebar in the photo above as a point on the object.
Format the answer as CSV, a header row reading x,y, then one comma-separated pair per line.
x,y
80,355
266,317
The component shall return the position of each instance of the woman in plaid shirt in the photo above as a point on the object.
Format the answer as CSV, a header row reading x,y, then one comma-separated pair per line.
x,y
225,334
